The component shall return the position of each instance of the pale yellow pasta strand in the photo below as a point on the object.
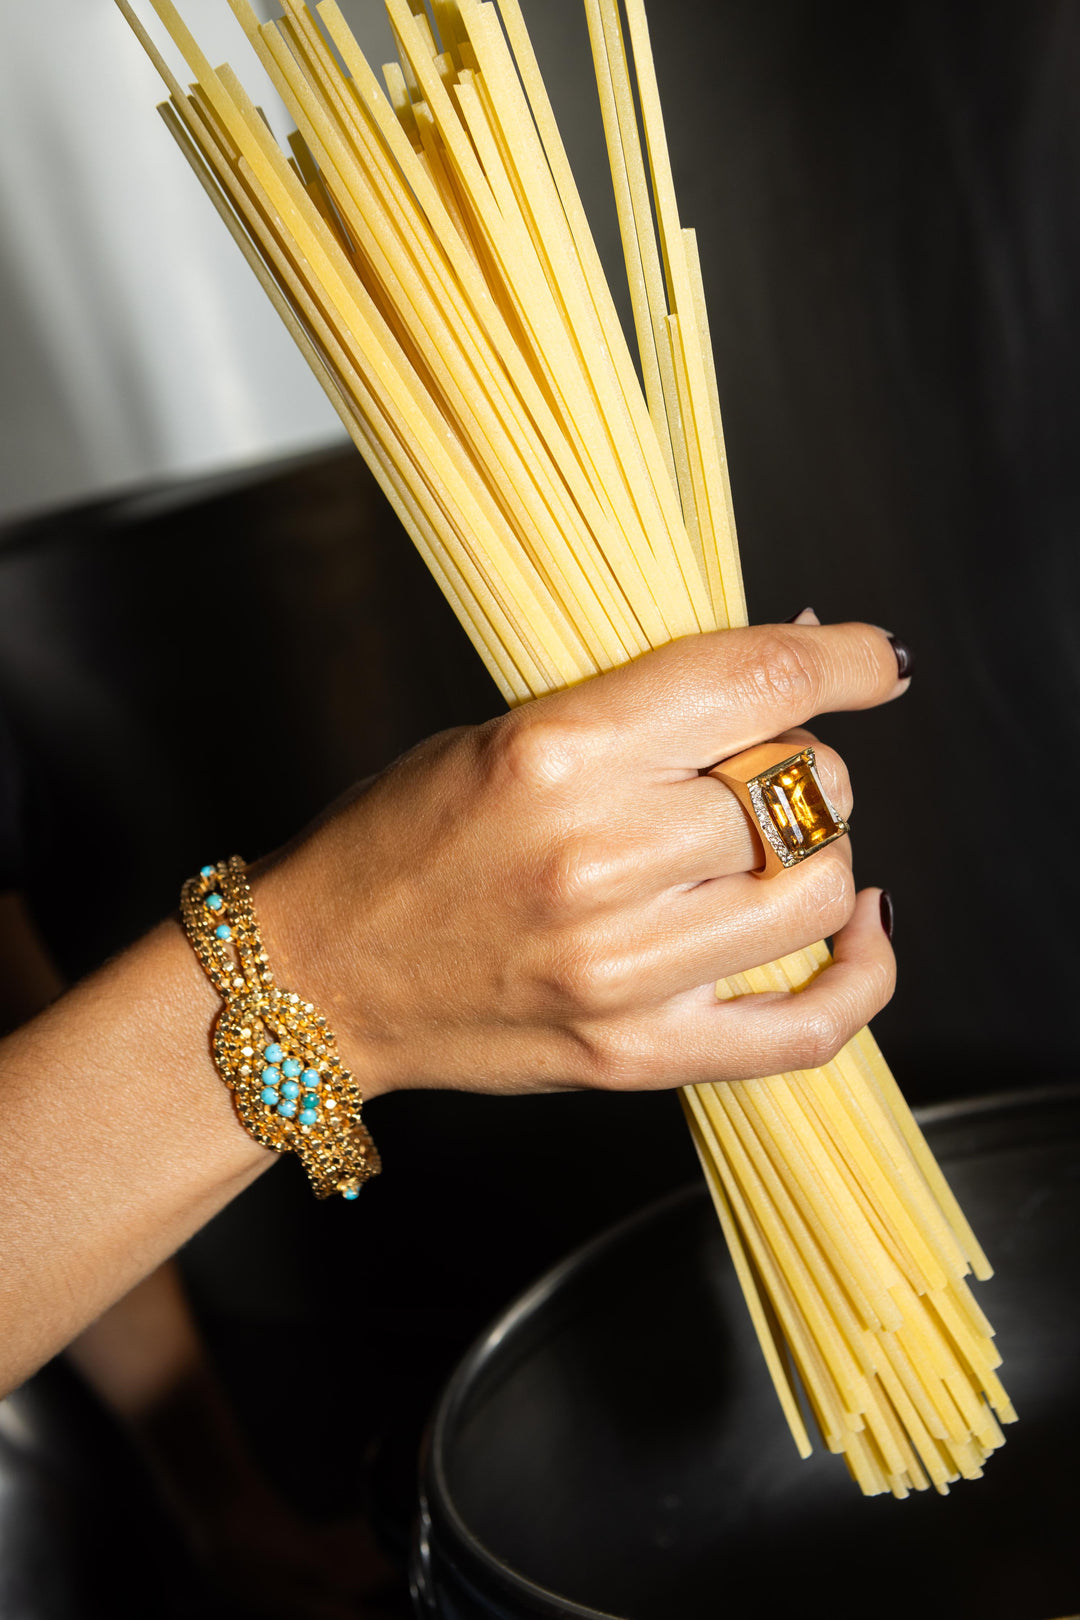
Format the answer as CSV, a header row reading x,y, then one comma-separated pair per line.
x,y
481,300
396,489
636,243
844,1371
657,515
771,1349
496,449
600,293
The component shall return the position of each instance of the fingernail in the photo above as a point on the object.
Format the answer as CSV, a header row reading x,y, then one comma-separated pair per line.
x,y
904,658
887,913
805,615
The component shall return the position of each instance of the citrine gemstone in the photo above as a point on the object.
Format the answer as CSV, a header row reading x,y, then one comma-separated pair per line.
x,y
798,808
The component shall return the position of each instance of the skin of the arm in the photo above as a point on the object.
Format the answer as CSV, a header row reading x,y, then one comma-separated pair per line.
x,y
118,1141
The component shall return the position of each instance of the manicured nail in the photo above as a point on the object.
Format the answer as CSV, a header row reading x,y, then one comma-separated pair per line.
x,y
904,659
805,615
886,913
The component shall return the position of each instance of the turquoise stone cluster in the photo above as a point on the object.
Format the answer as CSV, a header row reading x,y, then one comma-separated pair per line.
x,y
296,1074
289,1088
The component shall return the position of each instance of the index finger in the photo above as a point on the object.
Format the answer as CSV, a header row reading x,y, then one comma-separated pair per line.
x,y
705,697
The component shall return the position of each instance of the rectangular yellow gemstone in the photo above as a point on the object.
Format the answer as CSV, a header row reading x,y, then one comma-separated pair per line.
x,y
798,808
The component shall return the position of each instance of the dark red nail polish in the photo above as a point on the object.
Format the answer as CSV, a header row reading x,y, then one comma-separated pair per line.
x,y
795,616
887,913
904,659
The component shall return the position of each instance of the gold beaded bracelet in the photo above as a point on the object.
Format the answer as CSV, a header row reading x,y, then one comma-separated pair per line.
x,y
273,1050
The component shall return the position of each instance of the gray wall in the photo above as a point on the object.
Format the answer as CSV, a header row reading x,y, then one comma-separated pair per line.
x,y
133,342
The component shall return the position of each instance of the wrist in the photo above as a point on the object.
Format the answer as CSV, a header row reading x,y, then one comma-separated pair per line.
x,y
169,1007
305,935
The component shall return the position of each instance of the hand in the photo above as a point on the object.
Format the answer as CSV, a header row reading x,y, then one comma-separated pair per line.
x,y
548,900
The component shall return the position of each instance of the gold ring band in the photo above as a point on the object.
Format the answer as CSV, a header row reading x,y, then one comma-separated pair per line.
x,y
782,794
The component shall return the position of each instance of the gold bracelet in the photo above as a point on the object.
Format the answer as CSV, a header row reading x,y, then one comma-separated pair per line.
x,y
274,1051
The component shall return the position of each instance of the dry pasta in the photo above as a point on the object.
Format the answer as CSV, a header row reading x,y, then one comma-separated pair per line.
x,y
424,242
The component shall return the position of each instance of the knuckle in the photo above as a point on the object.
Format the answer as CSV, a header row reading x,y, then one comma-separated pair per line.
x,y
614,1062
782,674
576,877
590,981
822,1032
568,977
827,1026
832,892
611,982
882,983
877,661
835,778
543,753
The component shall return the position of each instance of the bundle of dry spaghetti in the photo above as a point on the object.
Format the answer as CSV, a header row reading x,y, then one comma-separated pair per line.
x,y
426,247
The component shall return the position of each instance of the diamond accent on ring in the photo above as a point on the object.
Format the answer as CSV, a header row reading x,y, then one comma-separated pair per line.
x,y
768,826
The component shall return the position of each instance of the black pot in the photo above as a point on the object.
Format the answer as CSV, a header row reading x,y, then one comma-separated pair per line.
x,y
613,1447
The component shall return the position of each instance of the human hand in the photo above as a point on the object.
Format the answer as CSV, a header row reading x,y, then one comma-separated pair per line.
x,y
548,900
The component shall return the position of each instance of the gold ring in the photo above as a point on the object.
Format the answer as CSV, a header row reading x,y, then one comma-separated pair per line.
x,y
783,796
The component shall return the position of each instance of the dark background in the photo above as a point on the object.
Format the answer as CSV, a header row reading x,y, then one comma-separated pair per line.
x,y
887,202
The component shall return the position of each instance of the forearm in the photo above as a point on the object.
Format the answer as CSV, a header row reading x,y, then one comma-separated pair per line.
x,y
118,1140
